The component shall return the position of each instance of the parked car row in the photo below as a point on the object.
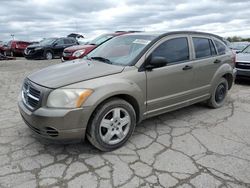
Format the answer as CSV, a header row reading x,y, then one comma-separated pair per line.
x,y
66,48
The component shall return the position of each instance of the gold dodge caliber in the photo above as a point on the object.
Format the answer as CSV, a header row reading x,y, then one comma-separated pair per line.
x,y
124,81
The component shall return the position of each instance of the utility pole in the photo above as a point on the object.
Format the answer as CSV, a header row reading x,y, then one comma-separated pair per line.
x,y
13,36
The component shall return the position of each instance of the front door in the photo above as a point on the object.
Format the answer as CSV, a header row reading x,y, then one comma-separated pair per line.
x,y
59,47
169,87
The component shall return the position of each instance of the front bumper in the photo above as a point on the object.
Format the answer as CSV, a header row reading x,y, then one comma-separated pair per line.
x,y
243,72
69,58
56,124
36,54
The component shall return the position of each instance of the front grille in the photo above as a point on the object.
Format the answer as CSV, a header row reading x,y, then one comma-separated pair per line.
x,y
28,51
67,54
30,95
242,65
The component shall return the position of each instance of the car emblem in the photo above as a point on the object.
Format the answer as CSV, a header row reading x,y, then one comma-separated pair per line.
x,y
26,91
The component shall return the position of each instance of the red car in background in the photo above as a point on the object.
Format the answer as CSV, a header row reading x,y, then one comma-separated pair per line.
x,y
15,48
78,51
2,47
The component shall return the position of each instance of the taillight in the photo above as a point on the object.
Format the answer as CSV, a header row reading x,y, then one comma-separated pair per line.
x,y
17,46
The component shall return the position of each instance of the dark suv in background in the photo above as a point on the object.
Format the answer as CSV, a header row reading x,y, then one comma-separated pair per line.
x,y
49,48
77,52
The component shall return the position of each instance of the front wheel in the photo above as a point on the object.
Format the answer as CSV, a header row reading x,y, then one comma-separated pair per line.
x,y
219,94
48,55
112,124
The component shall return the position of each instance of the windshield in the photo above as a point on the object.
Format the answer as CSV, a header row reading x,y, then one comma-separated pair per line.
x,y
99,40
238,46
121,50
47,41
246,50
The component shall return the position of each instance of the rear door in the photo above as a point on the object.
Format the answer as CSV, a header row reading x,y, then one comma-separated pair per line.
x,y
207,59
171,86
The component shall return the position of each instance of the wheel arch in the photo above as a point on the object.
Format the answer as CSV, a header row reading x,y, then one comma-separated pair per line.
x,y
128,98
225,71
229,77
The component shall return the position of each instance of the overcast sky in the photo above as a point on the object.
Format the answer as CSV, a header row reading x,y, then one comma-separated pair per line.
x,y
37,19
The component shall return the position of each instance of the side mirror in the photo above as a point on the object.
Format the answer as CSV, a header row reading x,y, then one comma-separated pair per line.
x,y
156,62
55,44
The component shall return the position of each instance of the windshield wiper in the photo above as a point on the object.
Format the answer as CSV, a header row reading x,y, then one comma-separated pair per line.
x,y
103,59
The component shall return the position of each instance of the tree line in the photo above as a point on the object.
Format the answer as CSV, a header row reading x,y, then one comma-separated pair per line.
x,y
238,39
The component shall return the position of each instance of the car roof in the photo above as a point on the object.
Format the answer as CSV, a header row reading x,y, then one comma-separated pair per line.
x,y
163,34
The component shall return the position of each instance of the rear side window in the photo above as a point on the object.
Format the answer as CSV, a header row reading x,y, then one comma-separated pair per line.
x,y
174,50
213,51
203,47
220,47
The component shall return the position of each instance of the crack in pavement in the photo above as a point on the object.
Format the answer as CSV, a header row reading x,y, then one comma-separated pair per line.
x,y
190,147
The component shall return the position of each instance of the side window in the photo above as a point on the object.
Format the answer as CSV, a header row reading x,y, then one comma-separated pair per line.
x,y
220,47
68,41
60,42
174,50
203,47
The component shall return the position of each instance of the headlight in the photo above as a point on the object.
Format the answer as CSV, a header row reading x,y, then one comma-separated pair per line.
x,y
38,48
68,98
78,53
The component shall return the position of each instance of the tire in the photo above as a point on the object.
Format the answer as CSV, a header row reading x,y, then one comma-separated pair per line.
x,y
48,55
219,94
111,125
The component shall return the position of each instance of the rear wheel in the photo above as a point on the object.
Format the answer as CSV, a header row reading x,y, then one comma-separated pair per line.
x,y
48,55
112,124
219,94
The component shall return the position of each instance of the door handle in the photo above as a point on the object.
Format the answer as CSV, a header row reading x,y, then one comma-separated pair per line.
x,y
217,61
187,67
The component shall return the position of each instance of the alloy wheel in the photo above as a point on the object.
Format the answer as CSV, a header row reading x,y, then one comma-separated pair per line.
x,y
115,126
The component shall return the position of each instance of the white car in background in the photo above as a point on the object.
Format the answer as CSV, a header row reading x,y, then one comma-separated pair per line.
x,y
243,63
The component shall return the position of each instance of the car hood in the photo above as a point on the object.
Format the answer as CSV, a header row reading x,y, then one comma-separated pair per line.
x,y
72,72
243,57
79,47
